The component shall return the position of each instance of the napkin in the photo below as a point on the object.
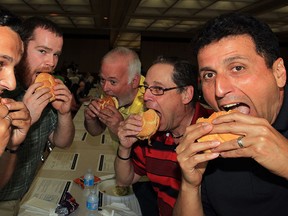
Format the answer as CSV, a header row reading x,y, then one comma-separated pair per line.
x,y
39,207
117,209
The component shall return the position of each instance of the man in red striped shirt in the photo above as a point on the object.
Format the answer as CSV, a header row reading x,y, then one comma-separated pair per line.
x,y
171,90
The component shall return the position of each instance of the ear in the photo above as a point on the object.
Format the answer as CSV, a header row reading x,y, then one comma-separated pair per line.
x,y
279,72
187,94
135,81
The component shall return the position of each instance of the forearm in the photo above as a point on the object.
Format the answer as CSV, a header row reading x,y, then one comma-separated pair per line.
x,y
94,127
188,202
124,169
65,127
7,165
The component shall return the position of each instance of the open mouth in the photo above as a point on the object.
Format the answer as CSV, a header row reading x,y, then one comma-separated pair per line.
x,y
241,107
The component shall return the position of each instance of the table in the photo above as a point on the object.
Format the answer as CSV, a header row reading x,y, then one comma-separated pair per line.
x,y
63,166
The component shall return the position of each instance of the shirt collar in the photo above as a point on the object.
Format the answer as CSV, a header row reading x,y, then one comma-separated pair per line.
x,y
281,123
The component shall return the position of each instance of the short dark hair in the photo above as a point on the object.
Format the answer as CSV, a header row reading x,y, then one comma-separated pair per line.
x,y
10,20
233,24
30,24
184,73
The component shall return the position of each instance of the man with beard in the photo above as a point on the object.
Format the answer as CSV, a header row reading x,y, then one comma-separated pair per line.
x,y
43,42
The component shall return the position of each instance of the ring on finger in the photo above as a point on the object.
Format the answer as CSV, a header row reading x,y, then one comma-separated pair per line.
x,y
8,118
240,142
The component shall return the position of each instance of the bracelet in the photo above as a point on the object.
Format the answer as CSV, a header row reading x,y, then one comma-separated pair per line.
x,y
121,157
11,151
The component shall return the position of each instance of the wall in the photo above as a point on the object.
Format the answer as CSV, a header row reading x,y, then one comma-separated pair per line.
x,y
87,51
84,51
151,48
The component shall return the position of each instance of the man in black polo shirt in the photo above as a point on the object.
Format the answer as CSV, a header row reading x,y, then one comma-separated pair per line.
x,y
240,68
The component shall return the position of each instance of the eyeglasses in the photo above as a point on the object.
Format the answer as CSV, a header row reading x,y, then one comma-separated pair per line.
x,y
157,90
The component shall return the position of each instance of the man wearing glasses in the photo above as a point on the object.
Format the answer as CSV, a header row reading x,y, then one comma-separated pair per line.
x,y
170,88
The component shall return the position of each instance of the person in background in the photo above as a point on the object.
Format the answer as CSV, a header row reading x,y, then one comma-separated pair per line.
x,y
79,96
14,124
171,90
89,82
43,42
240,69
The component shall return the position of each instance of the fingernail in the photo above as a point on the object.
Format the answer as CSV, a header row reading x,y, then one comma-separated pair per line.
x,y
215,155
206,125
215,142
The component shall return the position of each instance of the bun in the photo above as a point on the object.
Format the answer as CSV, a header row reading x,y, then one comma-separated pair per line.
x,y
150,121
108,100
49,82
220,137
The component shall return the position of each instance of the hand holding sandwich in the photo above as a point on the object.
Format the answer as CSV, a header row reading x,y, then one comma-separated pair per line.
x,y
260,142
105,111
46,89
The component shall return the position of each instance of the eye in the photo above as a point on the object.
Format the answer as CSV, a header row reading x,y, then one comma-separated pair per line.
x,y
3,64
157,89
43,51
238,68
102,81
208,75
113,82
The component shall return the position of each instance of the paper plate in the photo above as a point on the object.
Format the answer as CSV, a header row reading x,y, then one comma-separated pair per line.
x,y
107,187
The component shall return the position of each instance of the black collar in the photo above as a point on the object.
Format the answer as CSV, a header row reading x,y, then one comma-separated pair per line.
x,y
281,123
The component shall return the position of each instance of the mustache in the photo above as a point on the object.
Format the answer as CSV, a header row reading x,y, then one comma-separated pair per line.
x,y
47,69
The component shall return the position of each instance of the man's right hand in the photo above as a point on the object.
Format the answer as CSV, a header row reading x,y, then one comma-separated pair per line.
x,y
91,110
128,130
36,101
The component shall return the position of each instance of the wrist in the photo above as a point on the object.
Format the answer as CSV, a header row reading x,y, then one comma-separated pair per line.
x,y
123,154
187,186
65,114
122,148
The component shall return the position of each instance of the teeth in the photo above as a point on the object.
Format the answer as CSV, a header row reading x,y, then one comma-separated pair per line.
x,y
230,105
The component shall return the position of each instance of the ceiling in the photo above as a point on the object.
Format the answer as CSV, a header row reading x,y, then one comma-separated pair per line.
x,y
125,21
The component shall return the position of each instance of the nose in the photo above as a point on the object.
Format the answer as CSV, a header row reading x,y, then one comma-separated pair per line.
x,y
222,85
105,85
50,61
148,95
8,80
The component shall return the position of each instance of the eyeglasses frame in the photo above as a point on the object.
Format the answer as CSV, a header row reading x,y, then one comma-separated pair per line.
x,y
163,89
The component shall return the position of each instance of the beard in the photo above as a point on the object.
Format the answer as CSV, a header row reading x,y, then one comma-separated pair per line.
x,y
23,72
